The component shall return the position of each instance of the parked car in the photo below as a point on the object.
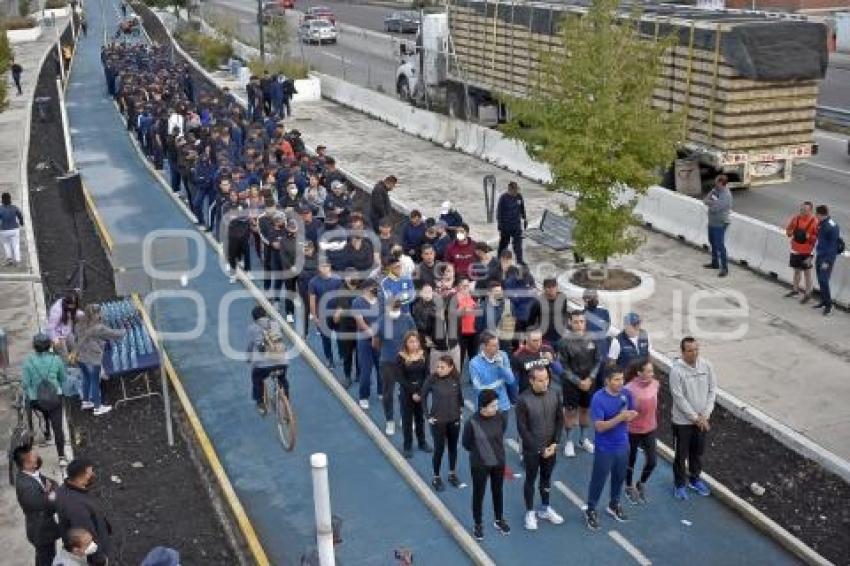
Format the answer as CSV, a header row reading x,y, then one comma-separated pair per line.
x,y
320,13
272,11
402,22
317,31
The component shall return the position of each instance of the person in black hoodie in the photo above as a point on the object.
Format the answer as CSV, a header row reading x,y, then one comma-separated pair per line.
x,y
483,437
78,508
345,325
444,413
308,270
424,313
412,372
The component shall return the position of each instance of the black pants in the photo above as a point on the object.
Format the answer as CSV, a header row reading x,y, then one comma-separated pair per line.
x,y
534,462
17,79
388,380
505,238
411,413
647,442
259,375
445,436
44,554
346,347
468,348
52,422
236,248
690,445
480,475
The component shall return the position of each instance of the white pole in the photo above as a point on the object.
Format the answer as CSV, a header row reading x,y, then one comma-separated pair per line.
x,y
69,151
322,500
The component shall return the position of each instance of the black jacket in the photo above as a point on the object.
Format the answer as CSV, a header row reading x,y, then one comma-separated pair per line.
x,y
580,357
79,508
446,398
41,526
380,204
539,419
484,439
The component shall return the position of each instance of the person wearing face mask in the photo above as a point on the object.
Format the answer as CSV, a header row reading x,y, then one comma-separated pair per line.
x,y
290,198
461,252
36,495
79,548
392,327
366,308
78,508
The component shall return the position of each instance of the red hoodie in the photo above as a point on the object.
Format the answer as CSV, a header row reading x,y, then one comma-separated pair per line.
x,y
461,255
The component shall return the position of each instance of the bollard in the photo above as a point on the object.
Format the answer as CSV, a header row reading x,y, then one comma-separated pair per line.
x,y
489,196
322,501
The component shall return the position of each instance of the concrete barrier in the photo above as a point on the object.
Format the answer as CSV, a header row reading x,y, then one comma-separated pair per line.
x,y
746,241
24,35
675,215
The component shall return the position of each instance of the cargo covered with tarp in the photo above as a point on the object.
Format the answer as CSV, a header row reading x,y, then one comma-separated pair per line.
x,y
743,81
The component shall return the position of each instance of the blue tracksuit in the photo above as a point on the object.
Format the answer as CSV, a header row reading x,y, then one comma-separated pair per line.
x,y
826,251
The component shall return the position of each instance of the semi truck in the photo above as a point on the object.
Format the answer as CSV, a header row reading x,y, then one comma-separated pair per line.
x,y
746,83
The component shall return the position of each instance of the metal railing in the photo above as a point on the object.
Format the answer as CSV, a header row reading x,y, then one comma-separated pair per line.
x,y
835,116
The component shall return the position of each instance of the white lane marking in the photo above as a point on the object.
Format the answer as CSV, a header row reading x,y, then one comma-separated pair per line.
x,y
512,444
331,55
570,494
826,167
630,548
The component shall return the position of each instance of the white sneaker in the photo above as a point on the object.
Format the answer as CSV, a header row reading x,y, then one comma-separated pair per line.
x,y
569,449
290,319
530,521
390,428
102,410
87,405
364,404
587,445
232,279
549,514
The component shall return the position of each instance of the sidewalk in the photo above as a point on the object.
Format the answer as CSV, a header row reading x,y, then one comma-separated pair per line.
x,y
21,292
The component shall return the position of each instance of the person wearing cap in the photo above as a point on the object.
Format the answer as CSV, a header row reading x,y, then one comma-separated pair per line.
x,y
324,284
630,345
549,312
392,326
461,252
161,556
511,220
397,285
413,235
380,206
366,309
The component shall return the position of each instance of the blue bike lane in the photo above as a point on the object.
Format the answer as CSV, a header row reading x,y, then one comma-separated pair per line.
x,y
379,510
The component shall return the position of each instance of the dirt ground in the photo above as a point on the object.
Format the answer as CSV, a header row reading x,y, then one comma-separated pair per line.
x,y
159,497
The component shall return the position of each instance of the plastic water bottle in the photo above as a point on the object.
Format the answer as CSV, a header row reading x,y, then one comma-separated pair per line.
x,y
134,359
125,354
116,359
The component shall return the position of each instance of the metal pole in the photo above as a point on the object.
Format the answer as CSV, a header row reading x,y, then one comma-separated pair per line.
x,y
322,500
262,33
69,152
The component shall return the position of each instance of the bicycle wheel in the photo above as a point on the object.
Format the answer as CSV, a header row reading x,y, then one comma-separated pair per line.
x,y
269,387
286,422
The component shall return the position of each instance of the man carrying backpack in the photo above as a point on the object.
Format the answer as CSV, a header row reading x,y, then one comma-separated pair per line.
x,y
829,247
802,230
266,354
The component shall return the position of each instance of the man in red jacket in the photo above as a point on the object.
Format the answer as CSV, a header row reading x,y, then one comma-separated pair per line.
x,y
461,252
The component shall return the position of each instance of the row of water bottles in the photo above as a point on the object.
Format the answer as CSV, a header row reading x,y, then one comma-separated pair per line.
x,y
136,341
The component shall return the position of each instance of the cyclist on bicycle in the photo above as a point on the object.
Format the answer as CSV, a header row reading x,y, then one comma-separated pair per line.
x,y
266,354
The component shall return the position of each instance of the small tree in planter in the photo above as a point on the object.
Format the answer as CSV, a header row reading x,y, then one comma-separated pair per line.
x,y
589,116
5,65
277,35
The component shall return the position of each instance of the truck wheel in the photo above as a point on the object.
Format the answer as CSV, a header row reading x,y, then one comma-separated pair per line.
x,y
454,105
403,89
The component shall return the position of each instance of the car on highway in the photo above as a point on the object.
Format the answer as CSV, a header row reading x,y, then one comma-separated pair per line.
x,y
273,11
317,31
402,22
320,13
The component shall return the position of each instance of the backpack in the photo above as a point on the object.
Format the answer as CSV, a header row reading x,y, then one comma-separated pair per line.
x,y
46,396
840,246
272,340
801,235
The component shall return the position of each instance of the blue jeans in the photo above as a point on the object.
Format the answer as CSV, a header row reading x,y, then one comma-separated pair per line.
x,y
717,241
91,383
200,203
367,359
823,268
605,464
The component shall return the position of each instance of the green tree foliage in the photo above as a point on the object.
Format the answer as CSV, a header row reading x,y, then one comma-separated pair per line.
x,y
589,116
6,58
277,36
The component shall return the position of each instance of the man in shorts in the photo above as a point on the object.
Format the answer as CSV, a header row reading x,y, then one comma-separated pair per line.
x,y
580,357
802,230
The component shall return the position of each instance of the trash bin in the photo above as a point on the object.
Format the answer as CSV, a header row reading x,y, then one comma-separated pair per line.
x,y
688,180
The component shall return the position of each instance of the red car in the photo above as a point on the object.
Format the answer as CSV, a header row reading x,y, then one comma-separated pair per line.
x,y
320,13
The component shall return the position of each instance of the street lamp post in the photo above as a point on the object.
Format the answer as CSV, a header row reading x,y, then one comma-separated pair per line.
x,y
262,35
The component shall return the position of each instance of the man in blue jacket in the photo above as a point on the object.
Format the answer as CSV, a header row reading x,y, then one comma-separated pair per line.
x,y
826,252
491,369
511,219
393,325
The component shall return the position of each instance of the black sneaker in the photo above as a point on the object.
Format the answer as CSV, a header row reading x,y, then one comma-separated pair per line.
x,y
425,447
711,266
617,512
407,453
632,495
827,310
723,273
502,526
453,481
818,306
792,293
641,491
437,483
478,532
591,519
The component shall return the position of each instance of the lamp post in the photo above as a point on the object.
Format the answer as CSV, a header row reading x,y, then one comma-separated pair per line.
x,y
261,31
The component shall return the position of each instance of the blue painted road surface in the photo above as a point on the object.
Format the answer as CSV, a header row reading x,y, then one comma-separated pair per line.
x,y
379,510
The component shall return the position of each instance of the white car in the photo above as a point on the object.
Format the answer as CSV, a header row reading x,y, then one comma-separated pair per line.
x,y
317,31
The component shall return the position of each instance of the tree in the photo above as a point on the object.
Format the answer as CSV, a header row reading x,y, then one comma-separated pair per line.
x,y
278,37
589,116
6,58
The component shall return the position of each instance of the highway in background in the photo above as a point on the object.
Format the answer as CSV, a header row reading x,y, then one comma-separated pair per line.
x,y
824,179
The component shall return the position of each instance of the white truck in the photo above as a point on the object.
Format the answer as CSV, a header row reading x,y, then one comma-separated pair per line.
x,y
745,82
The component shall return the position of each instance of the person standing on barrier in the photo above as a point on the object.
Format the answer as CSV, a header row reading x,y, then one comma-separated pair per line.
x,y
802,230
693,387
511,220
829,247
719,203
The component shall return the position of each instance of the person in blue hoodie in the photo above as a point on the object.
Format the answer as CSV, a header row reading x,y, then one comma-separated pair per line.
x,y
491,369
392,325
826,252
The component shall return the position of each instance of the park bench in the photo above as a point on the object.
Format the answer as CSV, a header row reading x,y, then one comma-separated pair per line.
x,y
555,231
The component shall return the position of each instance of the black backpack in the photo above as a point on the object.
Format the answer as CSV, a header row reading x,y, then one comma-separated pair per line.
x,y
801,235
840,246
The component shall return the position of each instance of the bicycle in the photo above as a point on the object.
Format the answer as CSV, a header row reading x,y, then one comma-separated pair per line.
x,y
275,398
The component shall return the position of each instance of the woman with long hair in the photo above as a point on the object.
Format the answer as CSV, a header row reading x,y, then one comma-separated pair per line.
x,y
62,319
444,413
92,337
412,372
641,383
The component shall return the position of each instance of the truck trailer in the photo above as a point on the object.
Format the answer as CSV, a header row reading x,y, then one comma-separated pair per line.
x,y
746,83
